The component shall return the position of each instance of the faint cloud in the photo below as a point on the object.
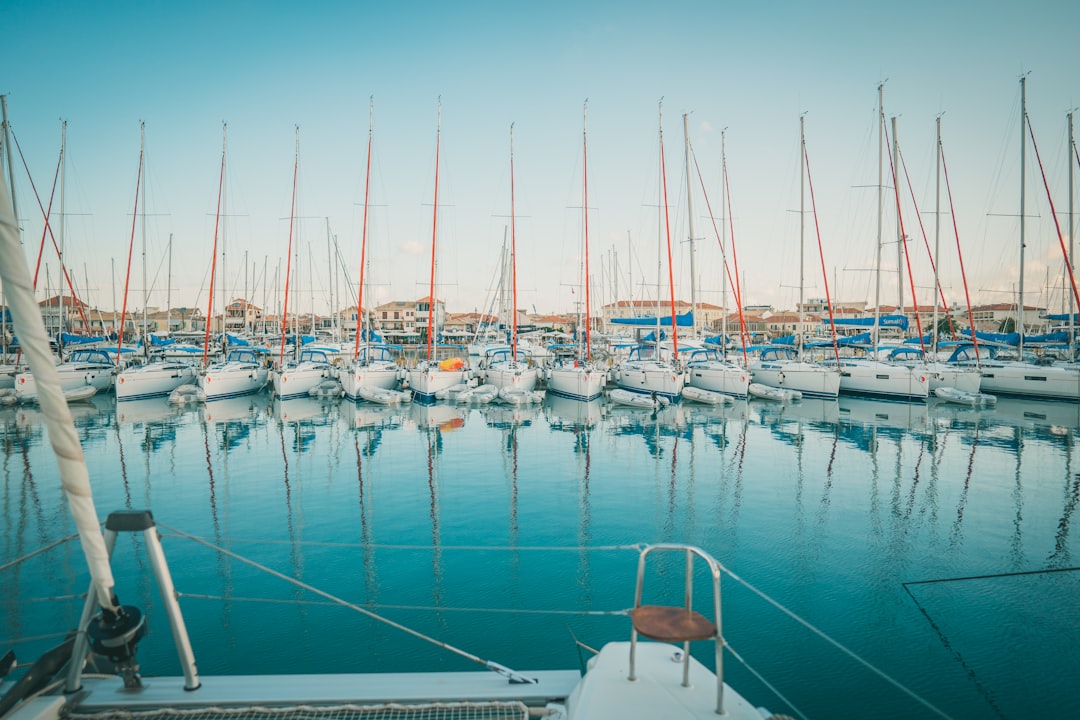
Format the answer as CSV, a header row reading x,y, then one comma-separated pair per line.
x,y
706,126
413,248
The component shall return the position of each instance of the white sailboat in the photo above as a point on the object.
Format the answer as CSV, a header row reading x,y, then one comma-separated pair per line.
x,y
506,368
706,368
373,366
580,378
650,367
785,367
160,377
429,376
866,374
309,367
242,371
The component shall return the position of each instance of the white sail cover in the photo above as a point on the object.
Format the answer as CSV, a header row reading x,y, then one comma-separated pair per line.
x,y
34,342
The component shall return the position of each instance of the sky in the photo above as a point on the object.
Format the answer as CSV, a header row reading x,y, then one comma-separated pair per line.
x,y
743,73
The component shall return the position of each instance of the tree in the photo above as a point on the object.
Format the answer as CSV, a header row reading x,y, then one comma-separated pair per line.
x,y
1007,325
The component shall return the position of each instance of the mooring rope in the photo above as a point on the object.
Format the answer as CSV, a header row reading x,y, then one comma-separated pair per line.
x,y
414,608
490,665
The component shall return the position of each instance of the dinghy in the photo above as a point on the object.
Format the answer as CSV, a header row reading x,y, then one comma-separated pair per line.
x,y
326,389
480,395
775,394
707,397
452,392
963,397
382,396
638,400
8,396
187,395
513,396
82,393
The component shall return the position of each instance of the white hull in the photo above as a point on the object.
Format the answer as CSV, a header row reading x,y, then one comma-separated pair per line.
x,y
379,375
584,382
153,380
72,377
809,379
233,379
647,376
513,375
881,379
425,381
298,380
719,377
1048,382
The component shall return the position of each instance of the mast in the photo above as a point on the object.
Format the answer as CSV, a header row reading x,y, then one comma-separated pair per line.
x,y
667,234
1069,150
585,214
513,255
880,201
434,228
1023,150
330,269
802,228
937,236
899,226
723,243
60,251
288,255
15,212
131,247
146,288
690,223
213,254
363,235
168,291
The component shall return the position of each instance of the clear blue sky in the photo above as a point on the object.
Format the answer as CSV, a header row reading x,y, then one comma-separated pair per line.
x,y
752,68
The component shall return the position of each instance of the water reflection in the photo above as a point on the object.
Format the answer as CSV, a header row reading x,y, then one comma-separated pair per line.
x,y
832,505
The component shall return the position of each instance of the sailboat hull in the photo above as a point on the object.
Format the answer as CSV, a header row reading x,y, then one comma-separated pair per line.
x,y
651,377
873,378
153,380
1049,382
809,379
582,382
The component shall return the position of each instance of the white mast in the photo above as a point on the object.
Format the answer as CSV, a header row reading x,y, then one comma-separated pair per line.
x,y
690,224
1069,160
60,252
899,232
1023,150
723,243
6,140
880,200
937,239
146,288
802,229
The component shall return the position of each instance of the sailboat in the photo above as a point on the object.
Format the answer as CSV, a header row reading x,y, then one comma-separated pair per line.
x,y
706,368
580,378
650,367
504,367
866,374
241,371
784,367
429,376
160,377
1044,379
373,365
311,366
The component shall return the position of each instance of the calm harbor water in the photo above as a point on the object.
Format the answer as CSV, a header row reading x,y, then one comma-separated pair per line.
x,y
932,540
